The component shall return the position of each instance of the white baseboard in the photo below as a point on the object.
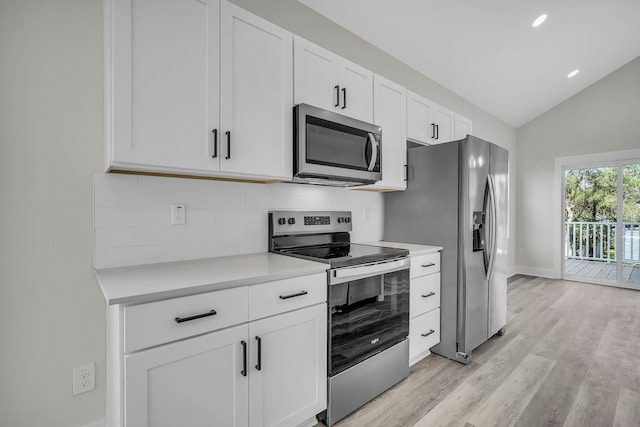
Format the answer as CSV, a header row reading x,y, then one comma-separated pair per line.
x,y
548,273
99,423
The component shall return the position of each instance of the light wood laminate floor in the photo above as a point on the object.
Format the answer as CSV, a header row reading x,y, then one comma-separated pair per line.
x,y
570,356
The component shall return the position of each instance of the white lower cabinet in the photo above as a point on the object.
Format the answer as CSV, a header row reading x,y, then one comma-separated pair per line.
x,y
424,307
424,333
291,385
261,362
196,382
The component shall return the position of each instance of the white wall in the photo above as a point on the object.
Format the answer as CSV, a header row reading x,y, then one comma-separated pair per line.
x,y
51,146
51,137
133,216
602,118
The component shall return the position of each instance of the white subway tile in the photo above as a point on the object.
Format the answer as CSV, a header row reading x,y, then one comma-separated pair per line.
x,y
178,184
137,236
115,217
116,257
115,180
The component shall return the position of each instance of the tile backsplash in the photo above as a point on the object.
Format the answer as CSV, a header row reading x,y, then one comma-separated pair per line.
x,y
133,216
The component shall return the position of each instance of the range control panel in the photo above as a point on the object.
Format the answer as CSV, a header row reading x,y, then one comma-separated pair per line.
x,y
308,222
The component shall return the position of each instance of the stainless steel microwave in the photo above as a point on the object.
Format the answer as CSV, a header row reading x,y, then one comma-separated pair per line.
x,y
332,149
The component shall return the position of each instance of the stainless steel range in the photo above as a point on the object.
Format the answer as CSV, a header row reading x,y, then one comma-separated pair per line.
x,y
368,303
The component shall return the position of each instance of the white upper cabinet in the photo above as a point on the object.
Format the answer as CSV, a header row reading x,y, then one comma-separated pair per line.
x,y
462,127
428,122
325,80
442,119
389,112
161,85
419,124
256,95
164,73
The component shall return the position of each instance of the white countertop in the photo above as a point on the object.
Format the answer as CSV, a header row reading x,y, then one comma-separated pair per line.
x,y
411,247
152,282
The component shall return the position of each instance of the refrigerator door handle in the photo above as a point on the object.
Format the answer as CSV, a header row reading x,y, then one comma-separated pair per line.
x,y
493,237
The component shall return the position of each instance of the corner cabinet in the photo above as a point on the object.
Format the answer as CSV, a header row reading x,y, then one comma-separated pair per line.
x,y
247,356
326,80
191,101
390,112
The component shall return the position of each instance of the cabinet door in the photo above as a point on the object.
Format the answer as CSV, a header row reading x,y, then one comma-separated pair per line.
x,y
443,119
462,127
419,125
356,91
291,385
315,75
256,95
197,382
389,111
163,99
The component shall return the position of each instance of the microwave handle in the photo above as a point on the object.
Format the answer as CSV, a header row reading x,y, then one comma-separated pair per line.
x,y
374,150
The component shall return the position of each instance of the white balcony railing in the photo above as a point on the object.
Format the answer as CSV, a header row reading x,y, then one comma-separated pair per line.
x,y
596,241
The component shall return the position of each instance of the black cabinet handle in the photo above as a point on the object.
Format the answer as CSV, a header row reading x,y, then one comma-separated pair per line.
x,y
299,294
428,333
197,316
337,88
244,359
215,144
344,98
428,265
433,130
259,365
228,133
430,294
437,131
406,172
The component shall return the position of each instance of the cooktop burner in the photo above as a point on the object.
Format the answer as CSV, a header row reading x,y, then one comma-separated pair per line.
x,y
323,236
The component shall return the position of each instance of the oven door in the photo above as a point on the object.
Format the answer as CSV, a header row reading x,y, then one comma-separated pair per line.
x,y
368,313
331,146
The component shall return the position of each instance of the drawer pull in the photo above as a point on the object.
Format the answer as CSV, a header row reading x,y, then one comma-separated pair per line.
x,y
244,359
428,265
197,316
259,365
430,294
428,333
299,294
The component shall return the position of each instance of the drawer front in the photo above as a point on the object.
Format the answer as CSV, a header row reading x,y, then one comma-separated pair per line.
x,y
267,299
420,336
425,294
146,325
425,264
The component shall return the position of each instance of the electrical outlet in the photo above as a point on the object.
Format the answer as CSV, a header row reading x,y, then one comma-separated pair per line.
x,y
84,378
178,213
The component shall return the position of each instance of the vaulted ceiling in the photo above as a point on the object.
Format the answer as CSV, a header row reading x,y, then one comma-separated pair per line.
x,y
488,52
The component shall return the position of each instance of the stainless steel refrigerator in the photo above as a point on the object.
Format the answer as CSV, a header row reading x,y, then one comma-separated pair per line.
x,y
457,198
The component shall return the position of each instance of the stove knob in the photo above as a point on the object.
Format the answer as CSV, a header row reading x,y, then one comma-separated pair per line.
x,y
291,221
347,219
340,220
282,221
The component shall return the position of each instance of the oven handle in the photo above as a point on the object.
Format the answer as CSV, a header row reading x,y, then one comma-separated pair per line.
x,y
369,269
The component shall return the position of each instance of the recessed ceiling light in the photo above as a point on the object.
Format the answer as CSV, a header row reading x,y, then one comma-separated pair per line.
x,y
573,73
539,20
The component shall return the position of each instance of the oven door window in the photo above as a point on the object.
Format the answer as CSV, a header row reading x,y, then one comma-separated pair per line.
x,y
367,316
334,144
